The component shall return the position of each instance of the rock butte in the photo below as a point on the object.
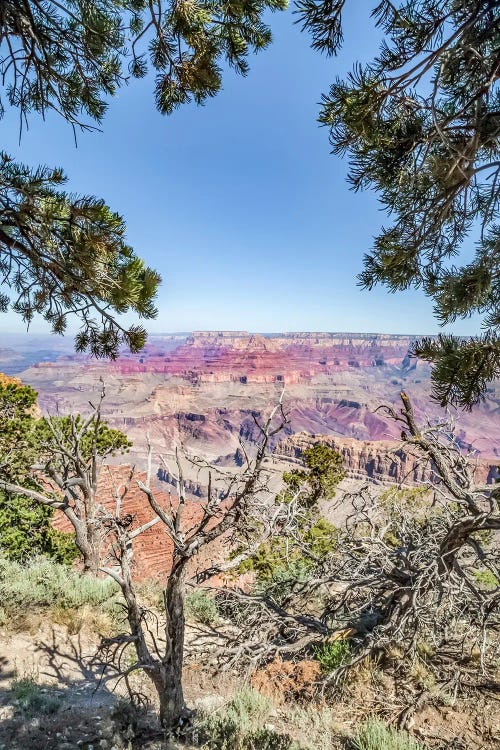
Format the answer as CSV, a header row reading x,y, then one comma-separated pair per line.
x,y
153,550
384,464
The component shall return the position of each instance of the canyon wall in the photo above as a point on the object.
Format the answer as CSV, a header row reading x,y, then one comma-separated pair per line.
x,y
206,388
153,549
380,462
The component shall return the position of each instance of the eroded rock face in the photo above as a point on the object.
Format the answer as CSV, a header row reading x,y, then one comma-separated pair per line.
x,y
220,356
206,390
383,461
206,387
229,356
153,550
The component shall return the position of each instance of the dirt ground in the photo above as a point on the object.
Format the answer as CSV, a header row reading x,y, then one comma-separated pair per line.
x,y
85,710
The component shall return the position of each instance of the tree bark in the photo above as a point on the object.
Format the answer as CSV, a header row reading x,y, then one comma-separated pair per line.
x,y
165,672
172,704
88,542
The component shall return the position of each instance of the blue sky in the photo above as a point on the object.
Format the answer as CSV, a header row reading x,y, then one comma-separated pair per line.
x,y
239,204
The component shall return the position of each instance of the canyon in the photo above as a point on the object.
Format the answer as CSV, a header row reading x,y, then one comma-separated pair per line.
x,y
206,392
205,389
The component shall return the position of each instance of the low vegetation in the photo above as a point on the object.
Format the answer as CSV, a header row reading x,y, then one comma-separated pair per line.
x,y
375,735
242,725
251,722
33,699
25,526
396,601
332,655
202,607
412,579
42,585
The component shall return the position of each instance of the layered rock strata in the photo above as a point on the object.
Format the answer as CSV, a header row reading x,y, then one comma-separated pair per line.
x,y
380,462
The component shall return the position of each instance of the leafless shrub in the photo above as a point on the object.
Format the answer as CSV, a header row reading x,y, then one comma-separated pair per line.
x,y
234,502
413,574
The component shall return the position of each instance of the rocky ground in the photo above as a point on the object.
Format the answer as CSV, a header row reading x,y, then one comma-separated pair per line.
x,y
69,703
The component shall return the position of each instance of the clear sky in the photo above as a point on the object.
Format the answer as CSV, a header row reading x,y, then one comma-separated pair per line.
x,y
239,204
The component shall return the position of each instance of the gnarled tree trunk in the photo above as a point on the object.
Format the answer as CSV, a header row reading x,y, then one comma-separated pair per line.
x,y
172,707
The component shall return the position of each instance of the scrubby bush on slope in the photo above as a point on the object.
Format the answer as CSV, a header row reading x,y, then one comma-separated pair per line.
x,y
43,584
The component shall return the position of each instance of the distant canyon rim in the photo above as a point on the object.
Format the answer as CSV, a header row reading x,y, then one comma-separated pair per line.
x,y
204,390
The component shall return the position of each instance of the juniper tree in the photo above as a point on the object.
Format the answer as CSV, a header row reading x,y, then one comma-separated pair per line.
x,y
25,526
62,254
322,472
228,514
410,567
55,463
420,124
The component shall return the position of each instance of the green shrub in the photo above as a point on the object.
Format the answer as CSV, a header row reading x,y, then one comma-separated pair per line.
x,y
202,607
333,655
321,474
321,538
271,558
224,734
31,698
280,584
412,497
375,735
25,526
43,583
279,554
486,578
26,530
239,726
317,480
248,706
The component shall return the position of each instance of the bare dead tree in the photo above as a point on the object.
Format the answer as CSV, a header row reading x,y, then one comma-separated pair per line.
x,y
407,570
72,452
229,508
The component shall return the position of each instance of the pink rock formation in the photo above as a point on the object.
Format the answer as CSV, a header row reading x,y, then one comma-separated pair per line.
x,y
334,384
153,549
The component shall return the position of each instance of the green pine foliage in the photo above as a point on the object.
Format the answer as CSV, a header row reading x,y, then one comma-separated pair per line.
x,y
65,255
332,655
17,425
198,38
285,560
94,434
62,255
27,441
420,125
25,526
61,56
26,530
71,56
320,476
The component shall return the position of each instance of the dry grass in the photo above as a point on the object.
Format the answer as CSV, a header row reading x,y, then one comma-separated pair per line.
x,y
375,735
87,618
316,728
